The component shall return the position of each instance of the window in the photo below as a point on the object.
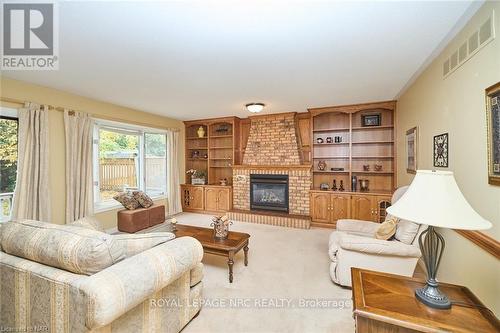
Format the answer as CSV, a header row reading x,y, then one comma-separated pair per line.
x,y
128,158
8,160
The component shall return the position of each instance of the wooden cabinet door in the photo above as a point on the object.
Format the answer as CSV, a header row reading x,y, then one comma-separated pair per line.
x,y
341,207
362,208
320,207
223,199
196,197
185,197
381,204
211,198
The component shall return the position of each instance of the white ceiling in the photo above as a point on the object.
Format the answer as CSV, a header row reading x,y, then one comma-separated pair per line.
x,y
204,59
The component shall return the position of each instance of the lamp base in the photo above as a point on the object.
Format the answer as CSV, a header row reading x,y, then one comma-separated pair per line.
x,y
432,246
431,296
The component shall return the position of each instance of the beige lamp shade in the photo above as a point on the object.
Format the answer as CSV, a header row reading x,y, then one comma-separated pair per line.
x,y
434,198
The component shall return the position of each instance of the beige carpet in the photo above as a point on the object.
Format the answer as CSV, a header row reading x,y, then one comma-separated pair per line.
x,y
281,289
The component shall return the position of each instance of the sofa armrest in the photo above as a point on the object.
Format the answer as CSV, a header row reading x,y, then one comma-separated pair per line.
x,y
358,227
378,246
120,287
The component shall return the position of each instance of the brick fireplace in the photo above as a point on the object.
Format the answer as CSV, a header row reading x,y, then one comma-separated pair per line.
x,y
272,149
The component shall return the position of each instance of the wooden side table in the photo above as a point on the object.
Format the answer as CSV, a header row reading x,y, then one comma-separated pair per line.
x,y
386,303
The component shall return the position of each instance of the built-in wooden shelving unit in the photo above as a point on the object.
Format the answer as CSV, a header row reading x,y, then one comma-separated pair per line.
x,y
360,146
216,151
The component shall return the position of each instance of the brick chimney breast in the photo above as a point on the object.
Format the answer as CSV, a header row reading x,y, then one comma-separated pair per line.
x,y
272,141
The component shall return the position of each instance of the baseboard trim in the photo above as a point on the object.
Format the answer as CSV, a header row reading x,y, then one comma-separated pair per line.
x,y
484,241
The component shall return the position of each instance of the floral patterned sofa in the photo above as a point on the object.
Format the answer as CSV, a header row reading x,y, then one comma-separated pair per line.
x,y
68,278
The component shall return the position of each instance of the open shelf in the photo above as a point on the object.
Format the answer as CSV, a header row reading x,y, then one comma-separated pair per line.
x,y
372,127
332,172
345,129
360,146
331,158
221,136
331,144
372,142
197,138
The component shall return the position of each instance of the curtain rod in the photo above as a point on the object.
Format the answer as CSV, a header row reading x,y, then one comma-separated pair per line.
x,y
61,109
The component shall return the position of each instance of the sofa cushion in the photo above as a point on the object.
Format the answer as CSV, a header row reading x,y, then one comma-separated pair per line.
x,y
127,200
406,231
89,222
133,244
143,199
75,249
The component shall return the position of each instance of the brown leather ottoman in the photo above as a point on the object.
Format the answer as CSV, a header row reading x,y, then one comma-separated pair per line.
x,y
156,214
133,220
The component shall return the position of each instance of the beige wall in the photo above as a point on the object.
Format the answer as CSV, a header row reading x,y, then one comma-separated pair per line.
x,y
457,105
29,92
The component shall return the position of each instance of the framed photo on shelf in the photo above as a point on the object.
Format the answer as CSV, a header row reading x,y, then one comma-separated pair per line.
x,y
411,150
373,119
493,133
441,148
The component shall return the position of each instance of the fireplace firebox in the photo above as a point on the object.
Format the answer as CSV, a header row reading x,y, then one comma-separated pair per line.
x,y
269,192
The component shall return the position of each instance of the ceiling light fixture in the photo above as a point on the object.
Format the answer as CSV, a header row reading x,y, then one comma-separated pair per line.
x,y
255,107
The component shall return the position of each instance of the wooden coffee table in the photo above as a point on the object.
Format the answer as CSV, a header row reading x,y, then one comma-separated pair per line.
x,y
223,247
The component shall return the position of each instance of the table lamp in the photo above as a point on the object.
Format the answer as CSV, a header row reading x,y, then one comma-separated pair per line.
x,y
434,199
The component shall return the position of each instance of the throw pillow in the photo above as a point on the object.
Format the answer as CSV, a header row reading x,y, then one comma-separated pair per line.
x,y
127,200
89,222
406,231
387,229
144,200
133,244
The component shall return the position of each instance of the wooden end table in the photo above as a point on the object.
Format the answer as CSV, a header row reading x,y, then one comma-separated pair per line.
x,y
386,303
222,247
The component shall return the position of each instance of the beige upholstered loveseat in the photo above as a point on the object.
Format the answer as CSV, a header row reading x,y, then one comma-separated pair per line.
x,y
353,244
156,290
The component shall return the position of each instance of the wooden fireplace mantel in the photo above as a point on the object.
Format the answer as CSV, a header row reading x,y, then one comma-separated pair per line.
x,y
273,167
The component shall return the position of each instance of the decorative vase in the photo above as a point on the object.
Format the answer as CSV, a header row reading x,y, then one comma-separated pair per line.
x,y
221,226
201,132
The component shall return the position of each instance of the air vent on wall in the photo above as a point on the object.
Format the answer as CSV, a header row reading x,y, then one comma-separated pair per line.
x,y
477,40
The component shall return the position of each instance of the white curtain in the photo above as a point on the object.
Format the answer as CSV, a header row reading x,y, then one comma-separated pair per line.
x,y
31,196
173,186
79,191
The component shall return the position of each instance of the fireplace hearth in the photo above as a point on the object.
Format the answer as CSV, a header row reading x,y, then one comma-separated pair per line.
x,y
269,192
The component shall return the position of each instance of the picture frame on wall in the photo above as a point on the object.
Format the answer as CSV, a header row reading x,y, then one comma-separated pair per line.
x,y
411,150
493,133
440,151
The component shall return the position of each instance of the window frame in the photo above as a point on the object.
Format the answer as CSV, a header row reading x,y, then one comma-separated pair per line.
x,y
8,113
129,129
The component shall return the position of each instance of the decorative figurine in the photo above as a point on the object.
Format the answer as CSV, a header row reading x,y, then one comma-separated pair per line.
x,y
366,167
378,167
205,156
223,181
329,139
334,187
321,165
364,185
341,188
195,154
201,132
173,223
319,140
